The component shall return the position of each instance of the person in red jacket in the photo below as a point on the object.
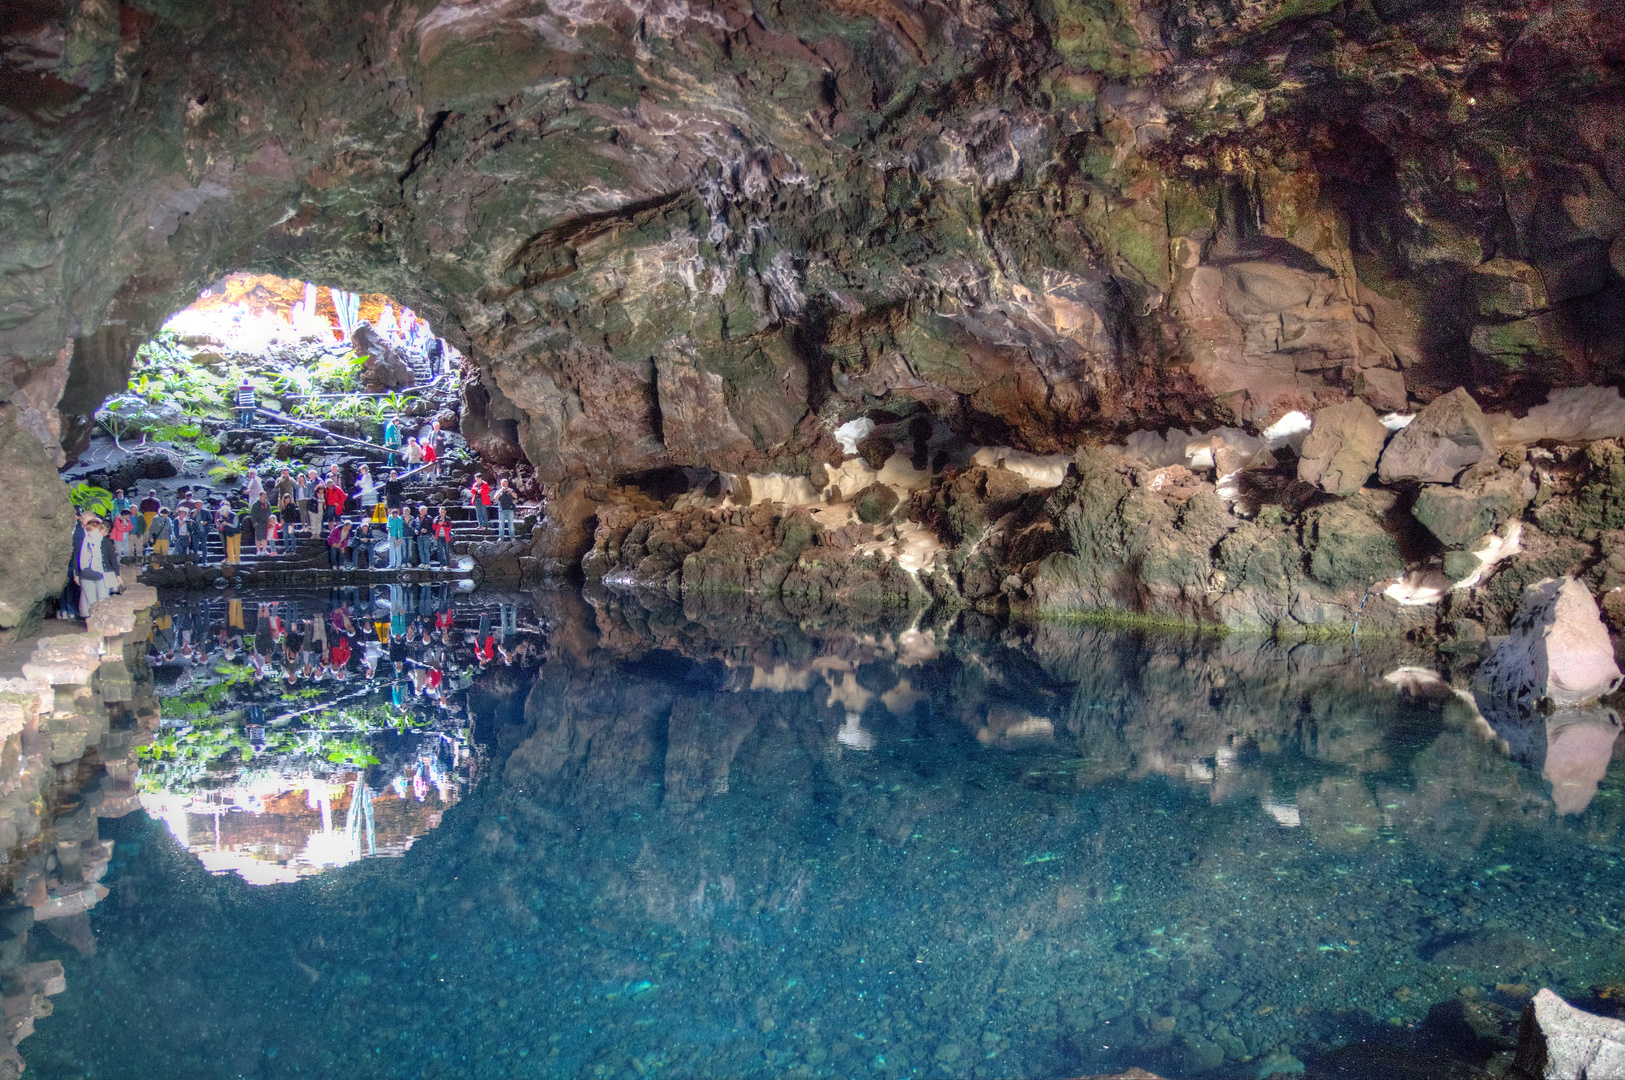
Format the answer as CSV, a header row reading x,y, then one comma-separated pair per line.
x,y
479,493
442,535
335,500
431,458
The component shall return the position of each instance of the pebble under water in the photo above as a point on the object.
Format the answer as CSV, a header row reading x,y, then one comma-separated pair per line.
x,y
995,853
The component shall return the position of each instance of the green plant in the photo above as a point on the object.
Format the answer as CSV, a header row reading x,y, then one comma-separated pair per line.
x,y
98,501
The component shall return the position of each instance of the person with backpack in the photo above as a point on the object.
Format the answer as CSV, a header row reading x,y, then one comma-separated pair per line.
x,y
149,508
260,515
507,503
159,533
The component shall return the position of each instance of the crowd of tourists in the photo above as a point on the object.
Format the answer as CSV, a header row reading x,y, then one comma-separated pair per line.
x,y
370,526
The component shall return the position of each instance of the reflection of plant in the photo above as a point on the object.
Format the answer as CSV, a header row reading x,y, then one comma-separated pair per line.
x,y
351,751
98,501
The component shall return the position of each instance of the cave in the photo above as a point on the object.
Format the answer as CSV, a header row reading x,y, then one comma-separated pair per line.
x,y
1108,412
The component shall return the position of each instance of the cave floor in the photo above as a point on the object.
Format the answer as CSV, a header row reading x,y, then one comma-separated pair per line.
x,y
634,844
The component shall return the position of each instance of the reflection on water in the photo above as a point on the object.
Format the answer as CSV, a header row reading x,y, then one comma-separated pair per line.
x,y
711,846
306,731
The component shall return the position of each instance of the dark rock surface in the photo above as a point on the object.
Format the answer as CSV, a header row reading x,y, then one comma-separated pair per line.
x,y
37,526
709,234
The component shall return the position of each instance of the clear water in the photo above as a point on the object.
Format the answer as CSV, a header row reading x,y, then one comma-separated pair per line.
x,y
716,849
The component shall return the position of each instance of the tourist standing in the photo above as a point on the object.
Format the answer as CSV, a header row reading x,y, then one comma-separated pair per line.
x,y
256,487
179,524
397,539
245,403
123,529
230,527
431,459
335,499
149,508
394,491
198,524
479,494
425,536
260,514
120,503
159,532
507,502
96,565
392,439
368,490
442,534
284,486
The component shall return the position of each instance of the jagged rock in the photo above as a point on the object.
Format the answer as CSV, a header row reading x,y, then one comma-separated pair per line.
x,y
1597,502
1559,650
1341,451
1508,289
1446,437
385,368
37,526
1348,545
1484,499
1556,1041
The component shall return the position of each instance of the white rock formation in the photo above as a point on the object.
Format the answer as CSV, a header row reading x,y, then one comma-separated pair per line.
x,y
1559,1042
1558,651
1577,414
1039,470
853,432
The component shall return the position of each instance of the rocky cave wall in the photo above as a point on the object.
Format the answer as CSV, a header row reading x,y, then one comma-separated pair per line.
x,y
705,234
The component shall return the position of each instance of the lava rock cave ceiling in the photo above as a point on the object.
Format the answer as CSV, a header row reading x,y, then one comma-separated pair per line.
x,y
705,233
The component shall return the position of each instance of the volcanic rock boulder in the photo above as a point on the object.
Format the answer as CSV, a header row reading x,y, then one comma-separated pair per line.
x,y
1341,450
1556,1041
1446,437
1559,650
1485,498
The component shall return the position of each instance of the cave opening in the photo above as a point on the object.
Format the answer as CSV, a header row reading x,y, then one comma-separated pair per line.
x,y
1023,538
261,371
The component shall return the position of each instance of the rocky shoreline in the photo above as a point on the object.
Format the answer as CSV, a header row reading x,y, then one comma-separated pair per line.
x,y
1431,531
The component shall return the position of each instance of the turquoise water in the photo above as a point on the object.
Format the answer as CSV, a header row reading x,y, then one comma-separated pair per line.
x,y
979,852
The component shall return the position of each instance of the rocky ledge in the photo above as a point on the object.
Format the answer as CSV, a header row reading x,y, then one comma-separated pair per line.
x,y
1431,525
